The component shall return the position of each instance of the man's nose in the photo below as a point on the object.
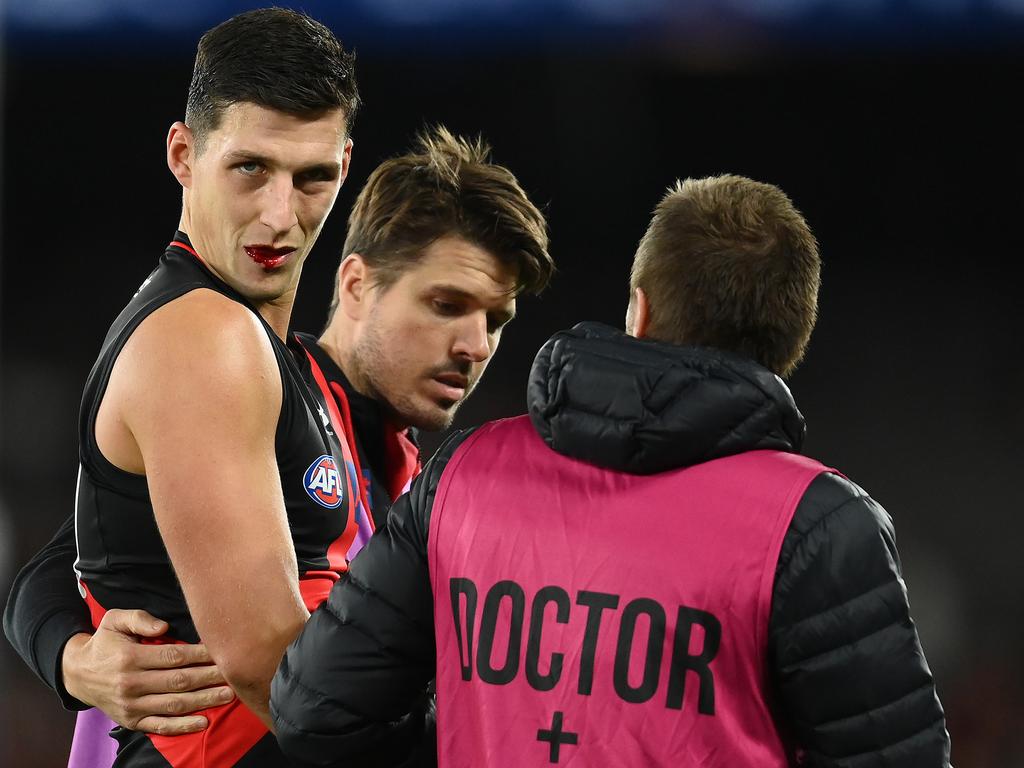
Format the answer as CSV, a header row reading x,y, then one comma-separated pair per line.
x,y
279,206
472,341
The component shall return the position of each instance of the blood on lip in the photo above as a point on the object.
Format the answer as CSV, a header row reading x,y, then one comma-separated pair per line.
x,y
268,258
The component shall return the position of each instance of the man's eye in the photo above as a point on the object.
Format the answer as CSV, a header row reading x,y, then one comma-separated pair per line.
x,y
316,176
250,168
445,307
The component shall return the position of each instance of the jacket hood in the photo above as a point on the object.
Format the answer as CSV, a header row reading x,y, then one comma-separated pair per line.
x,y
643,406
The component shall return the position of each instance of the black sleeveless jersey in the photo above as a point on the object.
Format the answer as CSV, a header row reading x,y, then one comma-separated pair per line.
x,y
122,562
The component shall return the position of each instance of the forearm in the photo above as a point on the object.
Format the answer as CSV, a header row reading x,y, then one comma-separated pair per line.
x,y
246,609
74,669
45,610
248,667
246,613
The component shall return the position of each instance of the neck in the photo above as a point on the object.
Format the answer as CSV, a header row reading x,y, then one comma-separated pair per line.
x,y
276,312
337,344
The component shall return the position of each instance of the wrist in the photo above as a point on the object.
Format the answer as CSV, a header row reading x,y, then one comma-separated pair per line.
x,y
70,666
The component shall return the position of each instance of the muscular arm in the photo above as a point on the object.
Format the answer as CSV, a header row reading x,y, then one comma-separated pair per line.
x,y
853,683
198,391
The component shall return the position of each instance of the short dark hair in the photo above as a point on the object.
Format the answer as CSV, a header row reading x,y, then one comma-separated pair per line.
x,y
446,185
728,262
273,57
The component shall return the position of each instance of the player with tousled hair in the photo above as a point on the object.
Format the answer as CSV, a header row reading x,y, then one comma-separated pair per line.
x,y
643,571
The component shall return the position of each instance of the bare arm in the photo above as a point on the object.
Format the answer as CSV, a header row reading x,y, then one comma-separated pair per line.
x,y
198,390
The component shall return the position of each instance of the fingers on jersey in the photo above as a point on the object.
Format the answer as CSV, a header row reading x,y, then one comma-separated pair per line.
x,y
169,714
134,622
179,655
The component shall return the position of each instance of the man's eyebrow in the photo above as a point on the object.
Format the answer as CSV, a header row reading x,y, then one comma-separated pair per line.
x,y
242,156
327,169
502,314
452,291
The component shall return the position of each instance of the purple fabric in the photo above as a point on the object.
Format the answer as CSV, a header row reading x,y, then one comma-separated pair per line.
x,y
363,534
92,746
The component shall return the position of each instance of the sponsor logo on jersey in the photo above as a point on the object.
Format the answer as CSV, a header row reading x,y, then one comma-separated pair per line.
x,y
323,483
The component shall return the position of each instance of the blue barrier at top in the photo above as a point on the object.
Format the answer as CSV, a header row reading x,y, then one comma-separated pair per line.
x,y
158,25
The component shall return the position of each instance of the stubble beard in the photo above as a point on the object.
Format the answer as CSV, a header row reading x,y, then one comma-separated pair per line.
x,y
375,370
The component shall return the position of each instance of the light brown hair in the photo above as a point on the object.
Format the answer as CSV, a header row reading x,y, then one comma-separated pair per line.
x,y
446,185
728,262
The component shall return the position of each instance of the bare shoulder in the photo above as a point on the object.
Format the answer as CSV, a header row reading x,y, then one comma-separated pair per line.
x,y
203,317
201,343
192,365
203,328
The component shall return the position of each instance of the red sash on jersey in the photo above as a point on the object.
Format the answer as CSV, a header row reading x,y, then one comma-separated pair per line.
x,y
337,553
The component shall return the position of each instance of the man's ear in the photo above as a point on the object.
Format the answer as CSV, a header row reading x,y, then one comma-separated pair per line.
x,y
638,316
353,286
346,159
181,153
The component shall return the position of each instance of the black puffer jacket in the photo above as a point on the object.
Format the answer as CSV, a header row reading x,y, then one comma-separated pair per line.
x,y
853,688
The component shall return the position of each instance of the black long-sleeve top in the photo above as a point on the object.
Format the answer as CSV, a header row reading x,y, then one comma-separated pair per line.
x,y
851,683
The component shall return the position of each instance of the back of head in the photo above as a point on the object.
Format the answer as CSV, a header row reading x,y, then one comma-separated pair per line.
x,y
447,186
275,58
728,262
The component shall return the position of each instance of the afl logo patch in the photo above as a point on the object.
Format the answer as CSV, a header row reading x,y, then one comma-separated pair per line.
x,y
323,483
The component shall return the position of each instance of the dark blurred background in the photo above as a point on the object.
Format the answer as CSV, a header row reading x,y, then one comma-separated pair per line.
x,y
894,125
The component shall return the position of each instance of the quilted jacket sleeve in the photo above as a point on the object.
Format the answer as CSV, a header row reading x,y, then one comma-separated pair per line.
x,y
44,610
854,686
350,689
